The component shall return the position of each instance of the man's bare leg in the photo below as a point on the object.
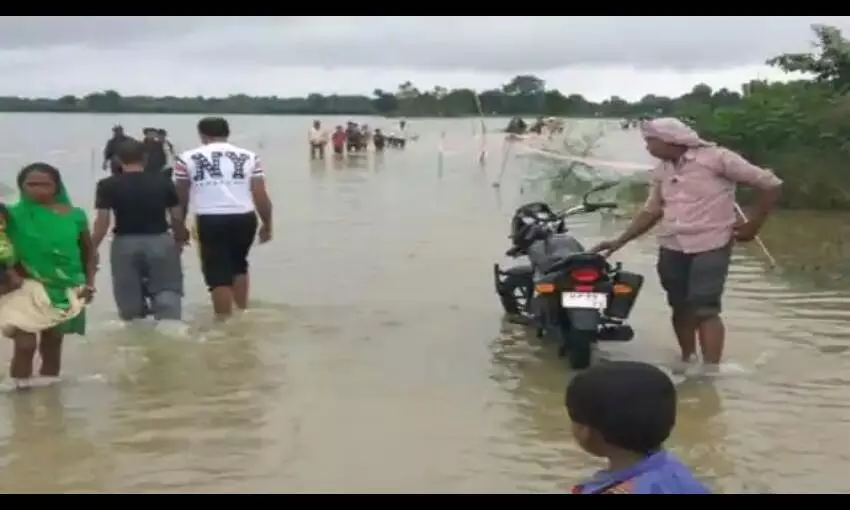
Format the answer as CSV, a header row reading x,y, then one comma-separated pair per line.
x,y
222,301
712,338
685,327
241,286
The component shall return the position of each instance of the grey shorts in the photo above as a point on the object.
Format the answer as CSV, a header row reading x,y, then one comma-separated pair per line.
x,y
694,281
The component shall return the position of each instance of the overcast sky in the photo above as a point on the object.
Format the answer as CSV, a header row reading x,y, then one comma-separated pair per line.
x,y
594,55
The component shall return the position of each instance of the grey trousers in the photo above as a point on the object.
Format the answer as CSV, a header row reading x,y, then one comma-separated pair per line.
x,y
147,266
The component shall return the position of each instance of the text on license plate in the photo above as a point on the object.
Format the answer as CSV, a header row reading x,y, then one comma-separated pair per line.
x,y
597,300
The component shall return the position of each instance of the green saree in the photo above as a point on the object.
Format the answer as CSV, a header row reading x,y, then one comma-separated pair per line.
x,y
46,244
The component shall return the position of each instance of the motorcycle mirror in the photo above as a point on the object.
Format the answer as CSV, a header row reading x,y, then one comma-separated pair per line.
x,y
604,186
599,187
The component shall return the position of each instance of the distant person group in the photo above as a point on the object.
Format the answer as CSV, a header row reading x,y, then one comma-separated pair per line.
x,y
353,139
548,126
159,151
49,256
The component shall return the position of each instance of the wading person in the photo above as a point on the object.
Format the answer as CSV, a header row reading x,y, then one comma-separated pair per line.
x,y
353,137
170,154
318,139
338,140
144,256
156,157
692,197
109,161
227,187
55,255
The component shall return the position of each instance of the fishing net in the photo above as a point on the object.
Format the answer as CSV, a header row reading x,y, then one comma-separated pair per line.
x,y
566,165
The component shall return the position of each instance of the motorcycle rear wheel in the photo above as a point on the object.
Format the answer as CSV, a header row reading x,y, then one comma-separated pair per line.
x,y
579,346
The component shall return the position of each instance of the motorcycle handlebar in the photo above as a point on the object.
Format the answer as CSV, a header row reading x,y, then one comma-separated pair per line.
x,y
513,252
587,208
601,205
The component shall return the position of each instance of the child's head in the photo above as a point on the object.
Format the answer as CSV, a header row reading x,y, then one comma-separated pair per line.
x,y
621,407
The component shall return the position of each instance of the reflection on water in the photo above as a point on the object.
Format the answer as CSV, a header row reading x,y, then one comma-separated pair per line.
x,y
375,358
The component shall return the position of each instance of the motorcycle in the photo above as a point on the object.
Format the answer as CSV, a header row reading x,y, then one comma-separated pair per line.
x,y
574,297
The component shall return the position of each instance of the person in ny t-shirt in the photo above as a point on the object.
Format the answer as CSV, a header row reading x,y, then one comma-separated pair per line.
x,y
144,256
227,186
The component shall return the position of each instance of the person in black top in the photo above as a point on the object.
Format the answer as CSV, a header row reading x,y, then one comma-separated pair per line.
x,y
379,140
156,158
170,153
353,137
145,257
109,160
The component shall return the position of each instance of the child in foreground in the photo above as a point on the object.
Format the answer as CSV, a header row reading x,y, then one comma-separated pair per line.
x,y
624,411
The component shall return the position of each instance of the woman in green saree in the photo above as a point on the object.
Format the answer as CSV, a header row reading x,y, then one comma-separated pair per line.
x,y
55,256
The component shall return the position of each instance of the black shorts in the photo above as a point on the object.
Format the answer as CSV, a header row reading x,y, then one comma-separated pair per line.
x,y
225,241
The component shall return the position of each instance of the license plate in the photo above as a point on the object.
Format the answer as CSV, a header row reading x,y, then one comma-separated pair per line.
x,y
597,300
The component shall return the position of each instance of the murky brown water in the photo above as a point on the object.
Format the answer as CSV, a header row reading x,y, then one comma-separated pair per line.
x,y
375,359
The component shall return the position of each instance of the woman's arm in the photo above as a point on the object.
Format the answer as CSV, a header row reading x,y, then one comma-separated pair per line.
x,y
88,256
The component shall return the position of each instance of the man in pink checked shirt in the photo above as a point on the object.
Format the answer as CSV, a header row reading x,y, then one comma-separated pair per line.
x,y
692,199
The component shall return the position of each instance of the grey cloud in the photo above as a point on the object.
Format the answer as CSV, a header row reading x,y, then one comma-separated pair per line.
x,y
25,32
438,43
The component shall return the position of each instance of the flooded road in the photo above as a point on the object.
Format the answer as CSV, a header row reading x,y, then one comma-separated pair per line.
x,y
375,359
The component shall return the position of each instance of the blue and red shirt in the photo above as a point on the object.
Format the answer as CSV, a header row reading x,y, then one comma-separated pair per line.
x,y
660,473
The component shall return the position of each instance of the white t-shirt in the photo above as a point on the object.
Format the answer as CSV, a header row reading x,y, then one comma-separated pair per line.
x,y
220,175
318,136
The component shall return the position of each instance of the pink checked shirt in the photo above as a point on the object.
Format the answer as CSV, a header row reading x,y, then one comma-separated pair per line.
x,y
697,196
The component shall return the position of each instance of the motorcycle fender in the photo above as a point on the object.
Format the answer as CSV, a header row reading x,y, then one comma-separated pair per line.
x,y
583,319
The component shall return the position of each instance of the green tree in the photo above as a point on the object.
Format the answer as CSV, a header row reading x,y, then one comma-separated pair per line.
x,y
799,129
830,63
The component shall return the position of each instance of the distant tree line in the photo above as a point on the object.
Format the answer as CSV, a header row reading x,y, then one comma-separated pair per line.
x,y
523,95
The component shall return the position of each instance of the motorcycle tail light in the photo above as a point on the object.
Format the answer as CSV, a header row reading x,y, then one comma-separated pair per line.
x,y
585,275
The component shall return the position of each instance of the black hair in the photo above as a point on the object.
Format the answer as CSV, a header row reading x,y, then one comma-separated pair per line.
x,y
631,404
130,152
40,166
149,130
162,132
214,127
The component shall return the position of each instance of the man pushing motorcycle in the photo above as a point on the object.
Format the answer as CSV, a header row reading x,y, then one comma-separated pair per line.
x,y
692,198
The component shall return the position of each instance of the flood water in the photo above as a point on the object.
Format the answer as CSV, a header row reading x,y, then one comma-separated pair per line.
x,y
375,358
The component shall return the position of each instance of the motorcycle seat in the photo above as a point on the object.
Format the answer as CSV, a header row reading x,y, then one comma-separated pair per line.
x,y
520,270
578,259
